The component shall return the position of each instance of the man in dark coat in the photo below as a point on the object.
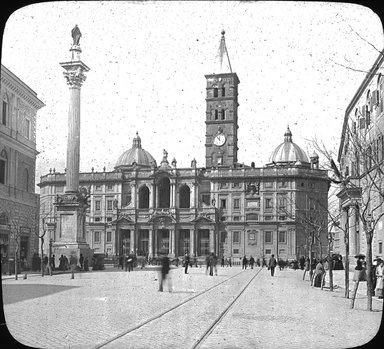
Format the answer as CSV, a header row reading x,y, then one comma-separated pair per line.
x,y
245,262
251,261
272,265
187,261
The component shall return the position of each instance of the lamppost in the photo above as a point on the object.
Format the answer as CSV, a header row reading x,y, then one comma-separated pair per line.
x,y
50,256
117,239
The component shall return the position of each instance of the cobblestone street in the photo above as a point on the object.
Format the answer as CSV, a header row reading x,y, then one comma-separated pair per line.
x,y
97,309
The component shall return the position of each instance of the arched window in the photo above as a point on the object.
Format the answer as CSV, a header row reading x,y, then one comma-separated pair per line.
x,y
215,92
3,166
223,91
144,197
222,112
4,110
164,193
26,179
369,101
216,114
185,194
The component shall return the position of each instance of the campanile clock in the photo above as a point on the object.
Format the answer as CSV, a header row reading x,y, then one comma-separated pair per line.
x,y
221,119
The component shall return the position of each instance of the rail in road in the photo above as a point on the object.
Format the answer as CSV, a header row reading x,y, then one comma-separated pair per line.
x,y
189,323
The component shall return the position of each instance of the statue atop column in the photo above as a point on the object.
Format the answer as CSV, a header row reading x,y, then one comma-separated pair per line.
x,y
76,35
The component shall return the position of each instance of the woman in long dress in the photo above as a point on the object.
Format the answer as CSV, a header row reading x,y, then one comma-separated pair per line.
x,y
379,277
318,274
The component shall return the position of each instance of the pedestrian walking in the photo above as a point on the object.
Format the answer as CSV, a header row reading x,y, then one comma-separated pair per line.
x,y
130,260
207,262
359,275
53,265
212,264
245,262
164,274
81,260
222,261
251,261
379,279
264,263
86,264
186,262
272,265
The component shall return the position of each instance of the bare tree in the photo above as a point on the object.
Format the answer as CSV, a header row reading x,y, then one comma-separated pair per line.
x,y
362,185
16,228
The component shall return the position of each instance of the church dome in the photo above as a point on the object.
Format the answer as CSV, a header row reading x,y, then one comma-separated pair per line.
x,y
136,155
288,152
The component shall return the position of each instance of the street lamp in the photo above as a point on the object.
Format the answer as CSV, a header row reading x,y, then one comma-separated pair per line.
x,y
50,256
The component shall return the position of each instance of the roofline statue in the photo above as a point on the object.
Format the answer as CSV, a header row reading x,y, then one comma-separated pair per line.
x,y
76,35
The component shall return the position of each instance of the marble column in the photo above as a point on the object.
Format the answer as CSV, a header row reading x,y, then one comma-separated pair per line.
x,y
172,242
74,74
192,233
151,189
211,240
132,241
150,243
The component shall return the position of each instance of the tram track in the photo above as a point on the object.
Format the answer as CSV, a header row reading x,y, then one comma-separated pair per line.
x,y
172,309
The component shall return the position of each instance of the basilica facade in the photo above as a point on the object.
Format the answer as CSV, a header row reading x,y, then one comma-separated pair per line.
x,y
226,206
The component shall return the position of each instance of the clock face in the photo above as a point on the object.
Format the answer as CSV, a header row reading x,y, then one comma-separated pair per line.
x,y
219,140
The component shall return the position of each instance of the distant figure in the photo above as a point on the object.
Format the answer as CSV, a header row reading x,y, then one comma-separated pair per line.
x,y
319,271
264,264
379,279
272,265
258,262
245,262
163,272
53,262
86,264
81,260
222,261
212,264
207,262
230,261
302,262
66,263
177,261
121,262
130,259
62,263
251,261
187,261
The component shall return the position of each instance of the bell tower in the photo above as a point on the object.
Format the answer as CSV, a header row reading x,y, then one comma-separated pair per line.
x,y
221,112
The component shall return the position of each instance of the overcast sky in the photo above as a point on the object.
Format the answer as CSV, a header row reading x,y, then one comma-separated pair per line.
x,y
147,64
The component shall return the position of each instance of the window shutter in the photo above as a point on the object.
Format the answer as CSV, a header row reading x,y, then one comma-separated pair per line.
x,y
368,119
375,98
362,123
363,110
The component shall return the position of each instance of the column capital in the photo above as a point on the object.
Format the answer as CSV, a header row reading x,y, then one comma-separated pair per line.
x,y
74,73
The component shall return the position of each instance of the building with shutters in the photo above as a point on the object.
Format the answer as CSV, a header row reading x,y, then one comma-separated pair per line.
x,y
19,204
361,158
225,206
